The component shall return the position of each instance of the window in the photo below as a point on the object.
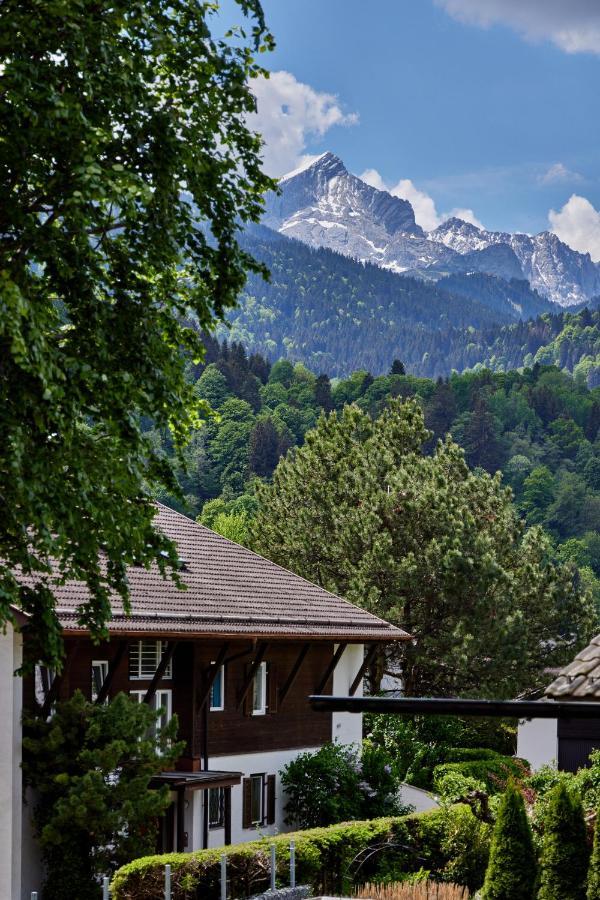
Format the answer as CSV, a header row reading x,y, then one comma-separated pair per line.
x,y
144,657
217,691
216,807
257,799
43,682
162,702
259,691
99,673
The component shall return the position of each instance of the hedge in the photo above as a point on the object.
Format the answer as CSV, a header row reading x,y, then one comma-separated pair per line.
x,y
494,771
450,843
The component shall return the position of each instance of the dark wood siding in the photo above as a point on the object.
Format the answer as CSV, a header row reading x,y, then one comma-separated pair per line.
x,y
289,725
576,740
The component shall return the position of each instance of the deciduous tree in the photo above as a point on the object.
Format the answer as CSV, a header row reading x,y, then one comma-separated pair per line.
x,y
126,170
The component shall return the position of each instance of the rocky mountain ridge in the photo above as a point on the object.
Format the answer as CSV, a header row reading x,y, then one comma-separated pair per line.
x,y
324,205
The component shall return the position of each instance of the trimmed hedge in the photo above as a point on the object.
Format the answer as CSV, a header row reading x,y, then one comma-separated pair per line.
x,y
493,771
450,843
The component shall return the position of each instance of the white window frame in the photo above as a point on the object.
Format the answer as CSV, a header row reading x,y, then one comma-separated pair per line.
x,y
160,649
221,675
157,703
261,708
103,664
261,778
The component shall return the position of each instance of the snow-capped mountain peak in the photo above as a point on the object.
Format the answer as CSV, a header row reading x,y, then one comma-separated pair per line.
x,y
324,205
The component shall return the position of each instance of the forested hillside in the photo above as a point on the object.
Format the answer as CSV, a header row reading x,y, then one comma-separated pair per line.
x,y
337,315
540,427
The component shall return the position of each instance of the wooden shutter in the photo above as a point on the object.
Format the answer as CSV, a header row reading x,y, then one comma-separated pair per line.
x,y
272,688
247,803
247,705
270,800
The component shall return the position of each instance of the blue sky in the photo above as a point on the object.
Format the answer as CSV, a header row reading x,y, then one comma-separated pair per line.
x,y
490,106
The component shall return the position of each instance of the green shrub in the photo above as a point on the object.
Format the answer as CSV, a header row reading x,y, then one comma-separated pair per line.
x,y
335,784
564,857
511,872
451,843
593,879
494,772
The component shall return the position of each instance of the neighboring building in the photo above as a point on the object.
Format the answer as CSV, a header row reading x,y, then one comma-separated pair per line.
x,y
235,656
10,759
566,743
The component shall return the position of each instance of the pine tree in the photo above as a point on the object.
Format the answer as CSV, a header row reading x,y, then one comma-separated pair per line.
x,y
263,448
323,393
511,870
397,368
593,879
564,857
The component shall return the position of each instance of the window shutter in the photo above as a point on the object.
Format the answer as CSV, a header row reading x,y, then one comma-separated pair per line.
x,y
270,800
272,688
247,705
247,803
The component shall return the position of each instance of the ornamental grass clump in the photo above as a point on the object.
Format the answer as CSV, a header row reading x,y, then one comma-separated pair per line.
x,y
420,890
511,871
564,856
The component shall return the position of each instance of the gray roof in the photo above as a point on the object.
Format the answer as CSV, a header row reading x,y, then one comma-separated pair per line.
x,y
231,591
580,680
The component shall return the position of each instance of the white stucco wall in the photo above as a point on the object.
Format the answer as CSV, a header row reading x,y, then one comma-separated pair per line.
x,y
347,727
537,742
11,693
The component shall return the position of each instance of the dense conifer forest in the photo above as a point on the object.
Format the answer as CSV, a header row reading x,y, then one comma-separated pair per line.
x,y
337,315
539,426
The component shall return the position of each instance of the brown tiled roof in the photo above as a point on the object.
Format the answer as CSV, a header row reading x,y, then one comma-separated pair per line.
x,y
230,591
580,680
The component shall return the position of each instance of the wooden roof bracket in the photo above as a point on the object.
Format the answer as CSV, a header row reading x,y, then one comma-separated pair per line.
x,y
287,686
260,655
112,669
160,671
361,672
212,673
331,667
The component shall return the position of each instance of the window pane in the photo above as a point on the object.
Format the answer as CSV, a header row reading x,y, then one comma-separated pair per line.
x,y
144,657
257,798
216,798
216,691
99,673
258,690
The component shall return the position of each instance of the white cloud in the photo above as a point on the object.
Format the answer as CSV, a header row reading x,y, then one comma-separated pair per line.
x,y
288,114
578,225
426,214
573,25
557,174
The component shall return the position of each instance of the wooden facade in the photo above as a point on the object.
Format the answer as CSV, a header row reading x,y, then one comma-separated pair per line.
x,y
287,724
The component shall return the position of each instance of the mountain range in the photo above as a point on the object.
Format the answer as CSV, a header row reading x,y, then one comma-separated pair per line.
x,y
324,205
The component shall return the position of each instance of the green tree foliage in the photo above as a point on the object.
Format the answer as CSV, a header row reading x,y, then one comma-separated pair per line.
x,y
108,110
427,544
511,871
91,766
564,856
338,783
593,879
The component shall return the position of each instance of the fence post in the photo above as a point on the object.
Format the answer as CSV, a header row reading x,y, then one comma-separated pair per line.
x,y
223,877
273,864
167,882
292,864
105,890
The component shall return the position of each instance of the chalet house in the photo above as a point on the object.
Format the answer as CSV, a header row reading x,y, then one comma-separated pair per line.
x,y
566,743
235,656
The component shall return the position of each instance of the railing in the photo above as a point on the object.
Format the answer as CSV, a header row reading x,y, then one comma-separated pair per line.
x,y
167,876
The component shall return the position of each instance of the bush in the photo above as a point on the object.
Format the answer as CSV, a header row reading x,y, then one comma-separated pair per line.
x,y
564,857
493,772
335,785
511,871
451,844
593,879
